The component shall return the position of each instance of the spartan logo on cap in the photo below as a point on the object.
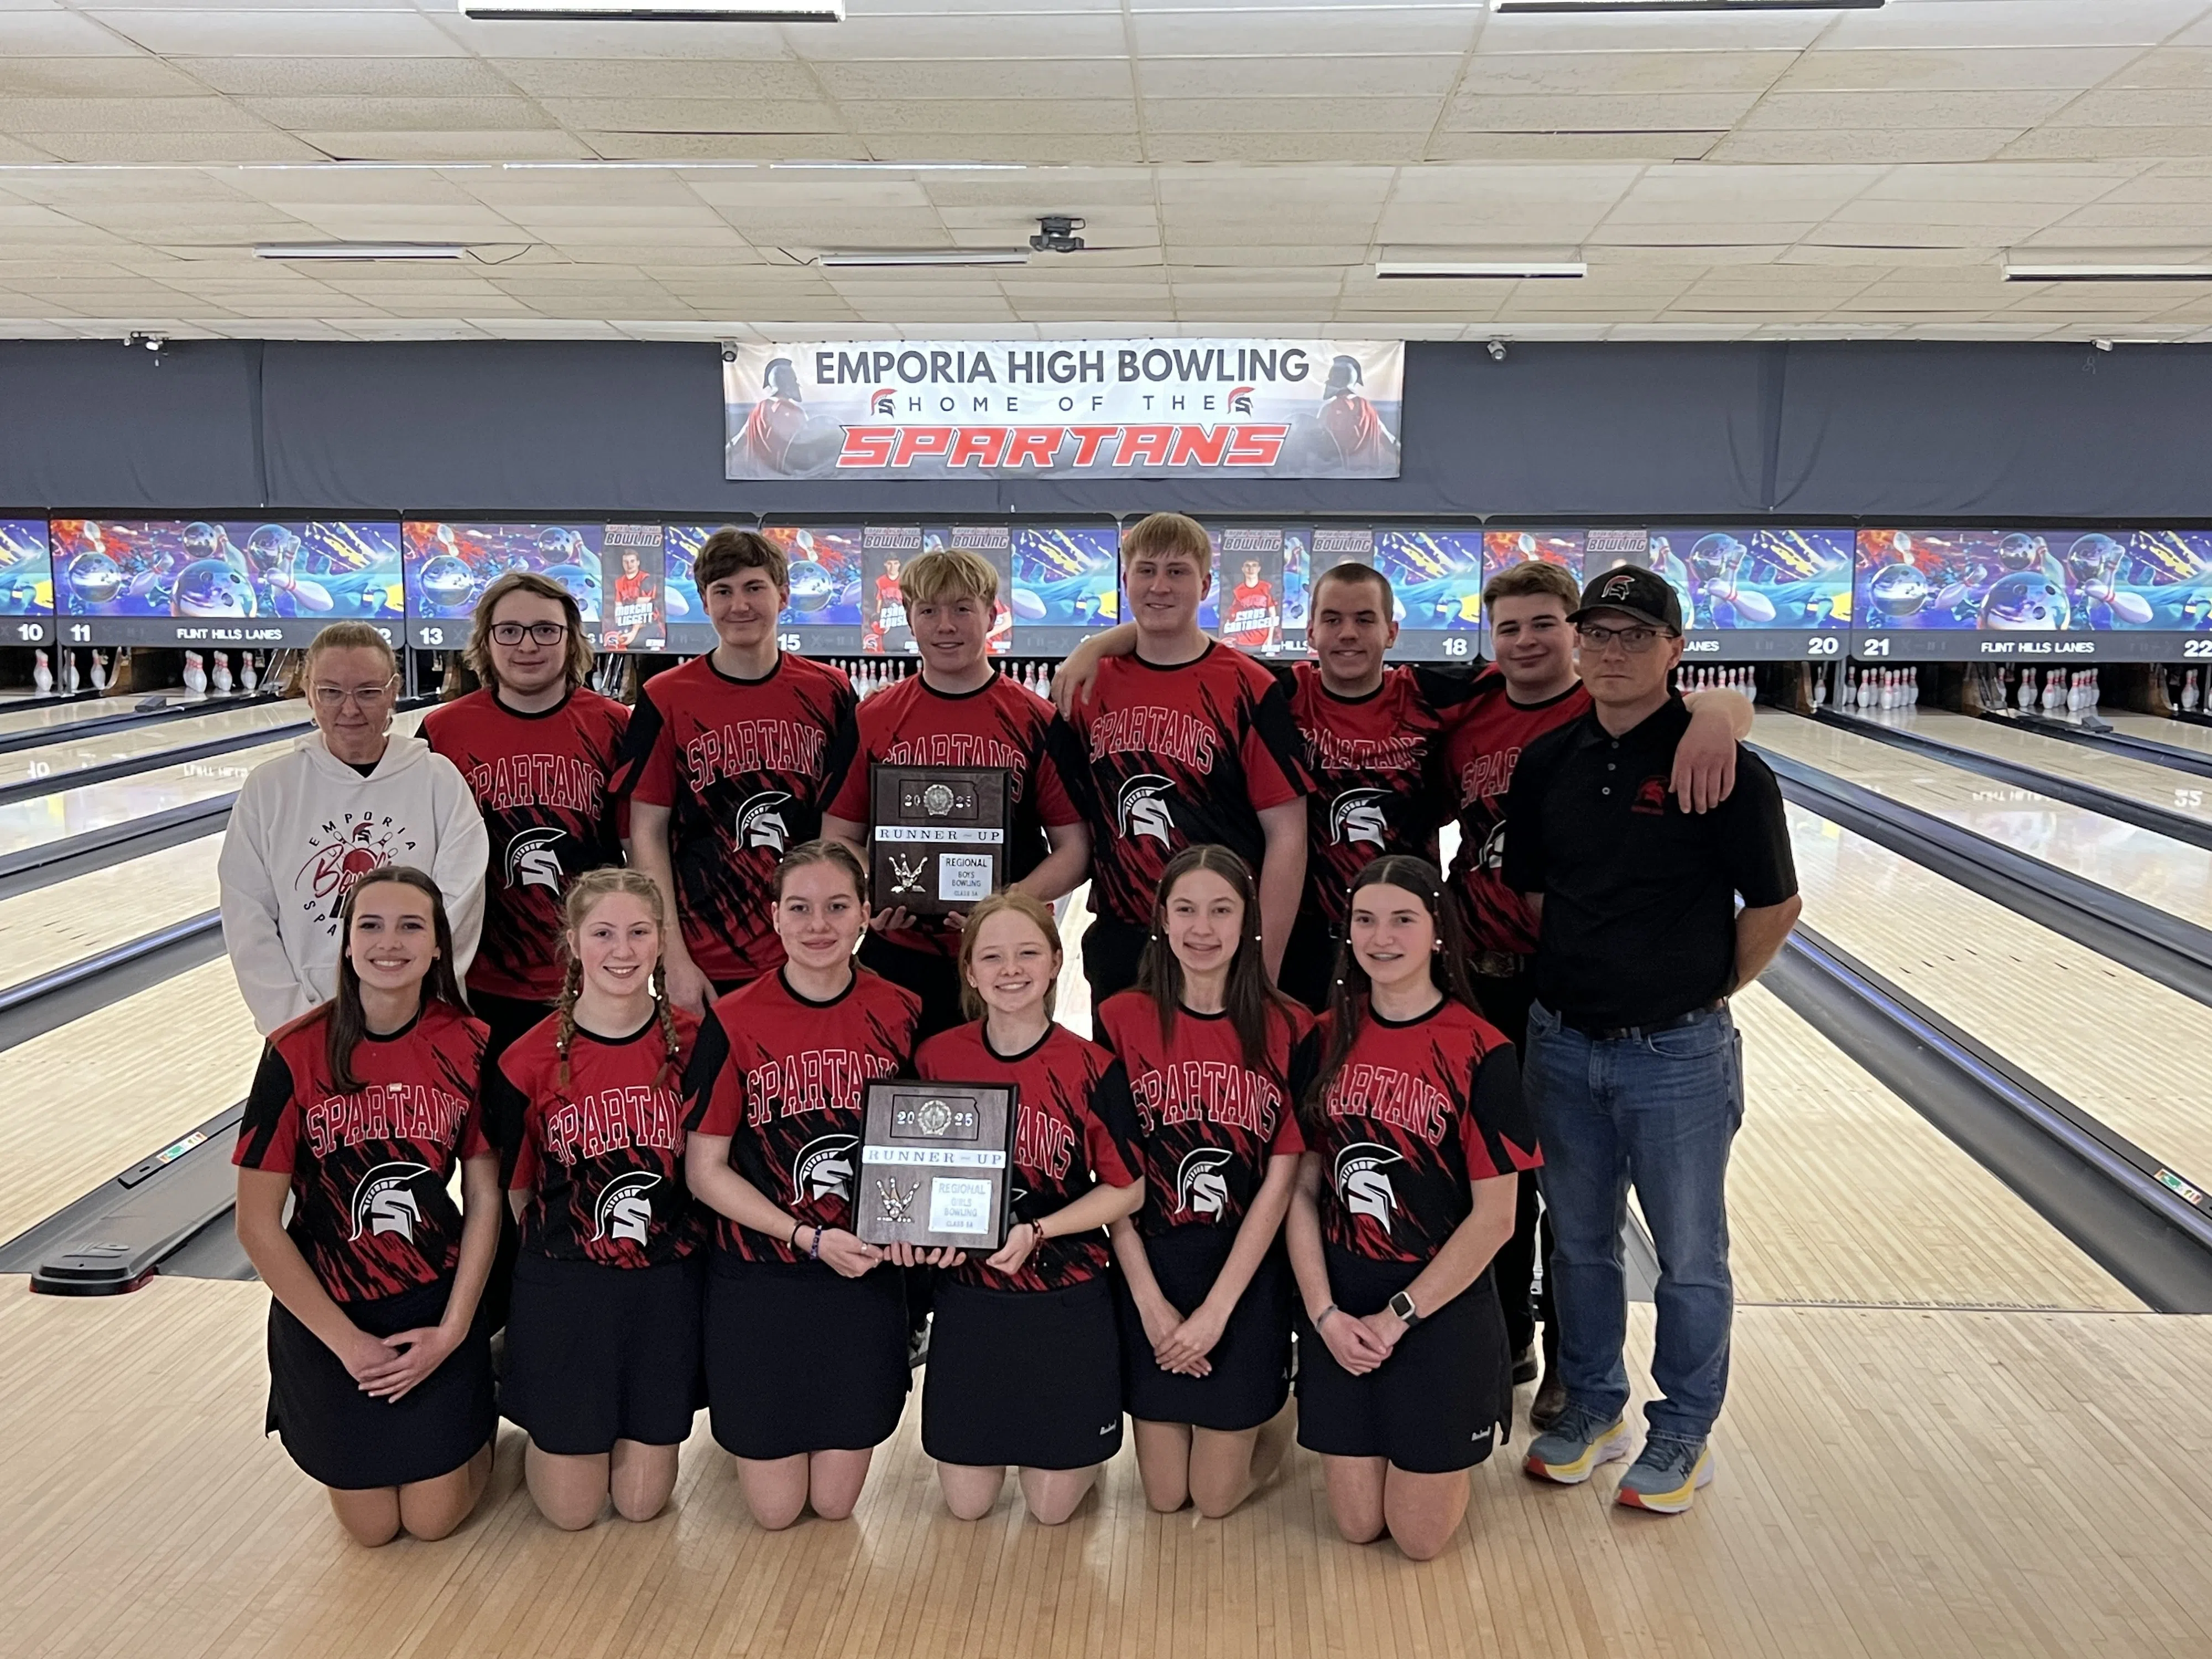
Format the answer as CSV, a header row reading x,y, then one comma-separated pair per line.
x,y
1142,808
824,1168
1361,1184
760,820
1357,815
1617,589
532,860
385,1200
1200,1187
624,1210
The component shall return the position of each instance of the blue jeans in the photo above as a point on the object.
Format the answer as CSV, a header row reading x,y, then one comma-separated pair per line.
x,y
1660,1112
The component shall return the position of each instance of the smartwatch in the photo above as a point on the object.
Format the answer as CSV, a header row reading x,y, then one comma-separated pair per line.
x,y
1402,1305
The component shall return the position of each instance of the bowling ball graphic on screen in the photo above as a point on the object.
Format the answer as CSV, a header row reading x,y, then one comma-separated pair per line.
x,y
446,586
209,587
583,585
2026,602
811,589
1897,591
95,579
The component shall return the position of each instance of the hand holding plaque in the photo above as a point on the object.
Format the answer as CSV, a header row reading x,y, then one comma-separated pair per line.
x,y
939,836
934,1161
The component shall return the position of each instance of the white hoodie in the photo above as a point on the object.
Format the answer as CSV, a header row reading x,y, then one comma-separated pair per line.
x,y
305,828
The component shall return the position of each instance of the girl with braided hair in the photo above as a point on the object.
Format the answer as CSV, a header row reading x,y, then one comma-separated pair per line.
x,y
603,1338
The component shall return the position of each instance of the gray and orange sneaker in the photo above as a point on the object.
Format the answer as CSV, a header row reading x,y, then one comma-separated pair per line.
x,y
1666,1476
1579,1439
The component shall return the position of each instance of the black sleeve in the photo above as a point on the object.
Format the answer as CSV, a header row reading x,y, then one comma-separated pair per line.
x,y
638,737
1306,1066
844,747
1065,745
710,1051
1522,867
505,1107
264,1108
1279,729
1499,1135
1115,1111
1446,687
1755,833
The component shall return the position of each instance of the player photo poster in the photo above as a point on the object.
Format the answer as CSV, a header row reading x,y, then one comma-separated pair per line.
x,y
886,550
630,578
995,544
1099,409
1247,586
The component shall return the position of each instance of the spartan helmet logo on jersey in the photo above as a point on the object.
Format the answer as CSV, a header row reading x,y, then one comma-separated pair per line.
x,y
1201,1189
1357,815
824,1168
1362,1185
1142,808
533,861
385,1200
624,1210
760,820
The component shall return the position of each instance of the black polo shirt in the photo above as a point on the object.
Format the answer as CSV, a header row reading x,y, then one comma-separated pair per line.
x,y
1639,896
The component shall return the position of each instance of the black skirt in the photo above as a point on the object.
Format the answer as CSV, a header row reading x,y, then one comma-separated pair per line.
x,y
1028,1377
1435,1405
345,1438
1251,1374
799,1358
597,1354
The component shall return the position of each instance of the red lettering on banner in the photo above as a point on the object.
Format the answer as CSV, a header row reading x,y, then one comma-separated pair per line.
x,y
1035,443
914,440
1147,444
867,446
977,443
1199,446
1257,445
1088,441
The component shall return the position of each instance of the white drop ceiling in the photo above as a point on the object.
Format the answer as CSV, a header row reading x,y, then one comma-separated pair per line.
x,y
1241,166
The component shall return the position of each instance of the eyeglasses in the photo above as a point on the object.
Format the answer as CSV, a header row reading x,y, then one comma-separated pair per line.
x,y
543,633
1634,641
331,698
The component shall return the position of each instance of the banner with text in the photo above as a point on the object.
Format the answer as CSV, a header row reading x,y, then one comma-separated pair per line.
x,y
1121,408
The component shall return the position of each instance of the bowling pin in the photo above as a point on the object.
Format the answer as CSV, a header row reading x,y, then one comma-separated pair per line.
x,y
196,679
2188,688
69,672
2026,699
2096,691
99,671
222,680
249,678
42,677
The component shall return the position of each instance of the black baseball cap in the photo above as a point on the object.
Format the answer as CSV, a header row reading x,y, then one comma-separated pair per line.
x,y
1642,594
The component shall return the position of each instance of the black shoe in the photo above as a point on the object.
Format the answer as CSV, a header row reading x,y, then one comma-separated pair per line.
x,y
1552,1394
1524,1365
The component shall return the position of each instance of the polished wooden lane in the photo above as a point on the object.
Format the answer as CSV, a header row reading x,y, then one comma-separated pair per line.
x,y
90,1098
59,714
66,754
2126,1049
2153,785
2153,868
1891,1482
2154,728
51,927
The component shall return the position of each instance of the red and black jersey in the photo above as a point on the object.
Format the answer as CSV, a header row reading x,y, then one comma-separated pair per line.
x,y
998,724
1208,1123
782,1077
741,765
1376,765
1252,619
1483,741
1418,1110
369,1167
541,782
1076,1127
1177,756
891,604
602,1156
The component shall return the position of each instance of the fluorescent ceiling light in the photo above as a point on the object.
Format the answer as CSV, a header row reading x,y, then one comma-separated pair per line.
x,y
1686,5
658,11
2130,272
1507,270
360,251
856,257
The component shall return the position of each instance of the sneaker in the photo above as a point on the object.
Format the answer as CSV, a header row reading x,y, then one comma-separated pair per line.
x,y
1666,1477
1579,1440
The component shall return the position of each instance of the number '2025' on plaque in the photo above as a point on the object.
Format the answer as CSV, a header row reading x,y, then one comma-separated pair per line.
x,y
939,836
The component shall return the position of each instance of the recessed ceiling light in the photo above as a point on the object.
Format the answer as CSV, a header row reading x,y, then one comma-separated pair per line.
x,y
360,251
1686,5
860,258
2130,271
657,11
1496,270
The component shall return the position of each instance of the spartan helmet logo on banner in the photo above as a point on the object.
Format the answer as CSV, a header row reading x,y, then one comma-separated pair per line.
x,y
385,1200
1143,808
532,859
824,1168
760,820
624,1210
1200,1187
1362,1184
1357,815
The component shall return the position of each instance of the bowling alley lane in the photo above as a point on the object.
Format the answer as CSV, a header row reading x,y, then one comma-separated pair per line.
x,y
2154,728
2138,780
51,927
65,754
2126,1049
57,716
2156,869
44,819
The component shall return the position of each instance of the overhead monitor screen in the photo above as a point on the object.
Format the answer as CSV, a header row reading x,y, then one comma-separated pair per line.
x,y
27,583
